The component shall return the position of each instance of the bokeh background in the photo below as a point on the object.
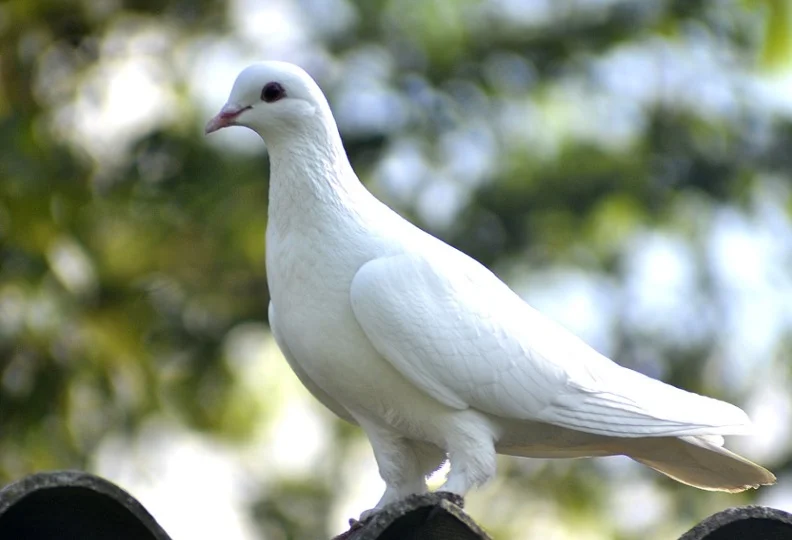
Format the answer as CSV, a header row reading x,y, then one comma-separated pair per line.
x,y
625,165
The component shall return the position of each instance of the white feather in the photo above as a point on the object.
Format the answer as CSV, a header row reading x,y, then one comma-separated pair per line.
x,y
455,330
427,350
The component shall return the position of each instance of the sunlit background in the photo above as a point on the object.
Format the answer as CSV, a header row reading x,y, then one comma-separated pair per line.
x,y
626,166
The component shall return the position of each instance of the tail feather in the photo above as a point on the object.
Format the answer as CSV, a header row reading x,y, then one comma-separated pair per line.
x,y
697,462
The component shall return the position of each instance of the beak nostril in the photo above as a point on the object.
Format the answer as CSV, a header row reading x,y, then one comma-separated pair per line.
x,y
233,113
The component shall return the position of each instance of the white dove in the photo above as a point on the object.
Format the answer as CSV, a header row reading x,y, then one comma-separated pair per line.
x,y
427,350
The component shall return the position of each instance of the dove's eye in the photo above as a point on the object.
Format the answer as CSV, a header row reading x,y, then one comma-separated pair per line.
x,y
272,92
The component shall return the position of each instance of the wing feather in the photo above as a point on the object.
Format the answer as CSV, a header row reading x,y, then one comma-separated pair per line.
x,y
456,331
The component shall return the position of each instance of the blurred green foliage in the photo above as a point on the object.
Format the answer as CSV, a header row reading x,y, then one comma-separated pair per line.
x,y
122,270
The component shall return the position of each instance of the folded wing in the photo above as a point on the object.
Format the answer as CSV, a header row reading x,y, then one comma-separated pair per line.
x,y
456,331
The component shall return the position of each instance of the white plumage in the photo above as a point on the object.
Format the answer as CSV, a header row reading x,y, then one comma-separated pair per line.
x,y
427,350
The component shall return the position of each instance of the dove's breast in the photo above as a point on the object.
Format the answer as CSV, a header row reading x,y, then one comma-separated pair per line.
x,y
309,274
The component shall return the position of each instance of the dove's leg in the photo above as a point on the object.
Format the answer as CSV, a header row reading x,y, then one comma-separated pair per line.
x,y
403,463
430,457
471,453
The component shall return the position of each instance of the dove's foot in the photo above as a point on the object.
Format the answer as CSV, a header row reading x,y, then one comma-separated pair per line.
x,y
454,498
354,524
364,517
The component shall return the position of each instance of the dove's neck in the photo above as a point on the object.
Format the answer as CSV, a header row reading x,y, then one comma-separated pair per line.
x,y
311,178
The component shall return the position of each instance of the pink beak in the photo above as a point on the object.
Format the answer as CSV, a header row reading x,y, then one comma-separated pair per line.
x,y
226,117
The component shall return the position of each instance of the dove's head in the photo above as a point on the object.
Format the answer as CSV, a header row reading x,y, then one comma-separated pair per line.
x,y
277,100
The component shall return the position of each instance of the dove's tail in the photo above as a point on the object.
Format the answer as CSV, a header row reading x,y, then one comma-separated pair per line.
x,y
701,462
